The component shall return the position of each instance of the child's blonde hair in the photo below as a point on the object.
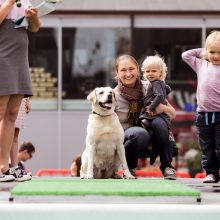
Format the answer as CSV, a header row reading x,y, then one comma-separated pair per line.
x,y
213,36
155,60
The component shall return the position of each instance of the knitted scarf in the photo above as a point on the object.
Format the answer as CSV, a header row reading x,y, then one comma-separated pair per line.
x,y
133,96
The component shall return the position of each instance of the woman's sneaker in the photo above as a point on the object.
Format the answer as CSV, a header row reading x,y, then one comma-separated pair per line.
x,y
6,178
210,179
133,173
18,174
169,174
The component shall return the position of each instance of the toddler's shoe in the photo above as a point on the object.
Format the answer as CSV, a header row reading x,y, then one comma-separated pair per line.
x,y
145,124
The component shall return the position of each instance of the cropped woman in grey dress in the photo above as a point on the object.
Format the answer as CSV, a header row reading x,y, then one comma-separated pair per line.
x,y
15,80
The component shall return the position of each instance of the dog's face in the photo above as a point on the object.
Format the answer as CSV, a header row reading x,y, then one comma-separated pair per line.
x,y
103,100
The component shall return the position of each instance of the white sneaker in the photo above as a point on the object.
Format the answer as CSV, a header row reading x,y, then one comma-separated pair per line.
x,y
169,174
6,178
209,179
18,174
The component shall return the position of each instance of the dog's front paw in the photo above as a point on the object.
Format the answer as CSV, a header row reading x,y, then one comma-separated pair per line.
x,y
82,176
89,176
127,175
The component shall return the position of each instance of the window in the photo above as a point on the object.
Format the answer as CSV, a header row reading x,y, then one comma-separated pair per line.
x,y
88,55
80,50
170,43
43,60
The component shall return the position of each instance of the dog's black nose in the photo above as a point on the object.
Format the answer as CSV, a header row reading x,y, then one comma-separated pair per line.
x,y
110,96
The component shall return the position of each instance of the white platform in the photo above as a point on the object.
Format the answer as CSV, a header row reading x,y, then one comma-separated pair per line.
x,y
108,212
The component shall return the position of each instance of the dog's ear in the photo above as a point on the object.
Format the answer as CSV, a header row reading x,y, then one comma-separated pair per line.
x,y
92,96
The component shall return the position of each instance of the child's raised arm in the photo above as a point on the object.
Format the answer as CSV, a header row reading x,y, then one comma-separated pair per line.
x,y
193,58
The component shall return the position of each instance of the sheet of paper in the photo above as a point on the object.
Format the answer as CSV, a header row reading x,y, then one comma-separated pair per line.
x,y
45,8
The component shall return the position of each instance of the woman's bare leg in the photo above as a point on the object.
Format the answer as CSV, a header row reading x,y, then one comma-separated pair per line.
x,y
7,127
14,149
3,106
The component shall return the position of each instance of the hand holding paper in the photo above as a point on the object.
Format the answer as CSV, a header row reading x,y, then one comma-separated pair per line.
x,y
31,11
42,9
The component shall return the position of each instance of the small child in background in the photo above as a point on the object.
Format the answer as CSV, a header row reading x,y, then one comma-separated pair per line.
x,y
206,63
25,153
75,166
19,174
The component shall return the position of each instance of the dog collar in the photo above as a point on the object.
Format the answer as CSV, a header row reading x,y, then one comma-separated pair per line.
x,y
99,114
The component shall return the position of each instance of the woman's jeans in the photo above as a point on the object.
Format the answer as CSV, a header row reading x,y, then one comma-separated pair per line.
x,y
208,125
137,143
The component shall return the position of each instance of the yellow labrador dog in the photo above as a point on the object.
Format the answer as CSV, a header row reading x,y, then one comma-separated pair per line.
x,y
104,153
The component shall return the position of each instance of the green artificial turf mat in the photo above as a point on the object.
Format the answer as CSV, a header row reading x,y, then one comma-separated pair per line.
x,y
107,187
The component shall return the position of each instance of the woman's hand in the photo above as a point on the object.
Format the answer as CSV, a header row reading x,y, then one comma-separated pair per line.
x,y
30,12
33,20
167,109
149,112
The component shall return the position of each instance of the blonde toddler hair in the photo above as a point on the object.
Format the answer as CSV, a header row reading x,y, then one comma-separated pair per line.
x,y
155,60
213,36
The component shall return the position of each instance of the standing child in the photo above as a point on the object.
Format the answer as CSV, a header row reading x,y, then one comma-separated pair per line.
x,y
206,63
154,70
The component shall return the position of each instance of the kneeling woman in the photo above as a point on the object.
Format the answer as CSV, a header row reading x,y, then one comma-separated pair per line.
x,y
129,92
